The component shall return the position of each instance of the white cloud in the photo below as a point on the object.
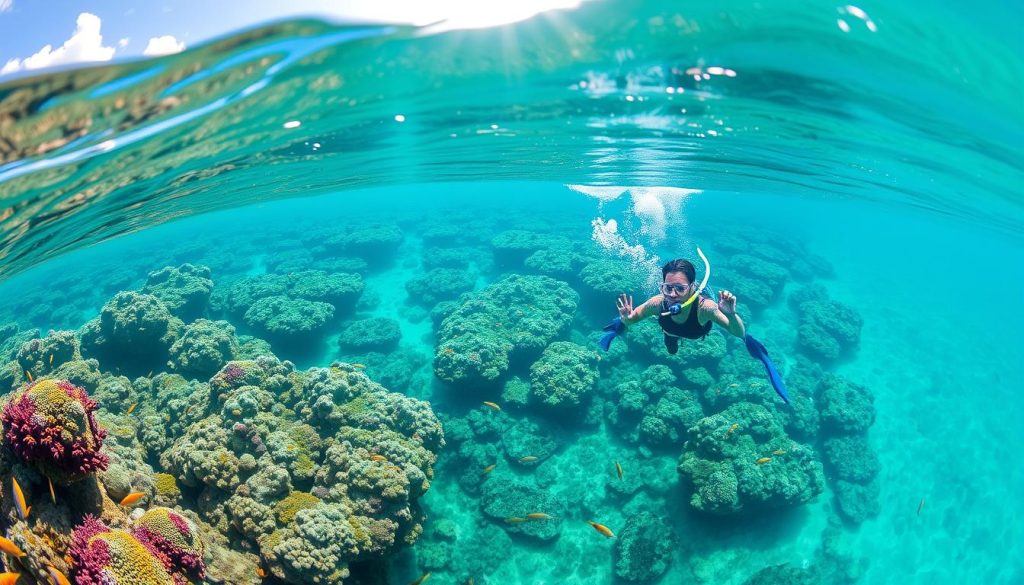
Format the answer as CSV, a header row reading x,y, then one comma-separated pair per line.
x,y
85,44
164,45
122,43
6,5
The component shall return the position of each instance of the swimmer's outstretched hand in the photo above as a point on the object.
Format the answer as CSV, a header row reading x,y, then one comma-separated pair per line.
x,y
726,302
625,305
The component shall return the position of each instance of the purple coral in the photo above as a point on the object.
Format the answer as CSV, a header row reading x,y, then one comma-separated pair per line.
x,y
174,541
52,423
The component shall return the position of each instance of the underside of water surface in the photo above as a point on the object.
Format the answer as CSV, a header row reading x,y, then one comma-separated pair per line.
x,y
323,304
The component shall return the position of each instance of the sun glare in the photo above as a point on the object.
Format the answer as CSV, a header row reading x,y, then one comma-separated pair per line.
x,y
464,14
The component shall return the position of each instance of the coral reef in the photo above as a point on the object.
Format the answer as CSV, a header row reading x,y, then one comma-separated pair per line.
x,y
644,548
132,329
203,348
564,376
740,460
374,334
51,424
184,290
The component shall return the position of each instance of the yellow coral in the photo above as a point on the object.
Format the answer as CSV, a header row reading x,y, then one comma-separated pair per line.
x,y
158,520
166,485
286,509
130,562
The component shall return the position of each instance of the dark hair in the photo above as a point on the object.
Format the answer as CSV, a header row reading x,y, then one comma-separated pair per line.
x,y
679,265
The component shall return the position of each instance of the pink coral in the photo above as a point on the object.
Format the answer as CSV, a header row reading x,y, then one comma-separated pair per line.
x,y
174,541
52,423
103,556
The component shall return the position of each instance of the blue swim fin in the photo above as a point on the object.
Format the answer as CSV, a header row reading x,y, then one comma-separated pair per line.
x,y
614,329
757,350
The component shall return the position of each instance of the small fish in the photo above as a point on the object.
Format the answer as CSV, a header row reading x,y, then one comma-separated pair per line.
x,y
19,500
132,408
28,374
421,580
779,452
602,529
53,496
514,520
9,578
492,405
489,469
527,459
732,429
56,577
733,385
10,548
51,359
150,374
132,498
359,366
763,460
618,469
378,458
538,516
919,506
261,572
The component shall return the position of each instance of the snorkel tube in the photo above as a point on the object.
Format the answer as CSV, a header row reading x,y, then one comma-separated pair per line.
x,y
678,307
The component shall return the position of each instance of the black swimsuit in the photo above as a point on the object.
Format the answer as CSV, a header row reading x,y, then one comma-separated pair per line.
x,y
689,329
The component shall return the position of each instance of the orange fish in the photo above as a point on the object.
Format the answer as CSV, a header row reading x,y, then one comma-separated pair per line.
x,y
132,498
602,529
779,452
378,458
421,580
919,506
53,496
732,429
56,577
489,468
763,460
527,459
492,405
9,578
514,520
261,572
618,469
132,407
19,500
8,546
538,516
29,375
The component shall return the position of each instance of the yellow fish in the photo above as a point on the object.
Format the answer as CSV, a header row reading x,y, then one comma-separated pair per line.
x,y
538,516
732,429
132,498
29,375
378,458
514,520
602,529
56,576
19,500
9,578
51,359
53,496
763,460
492,405
527,459
489,468
779,452
8,546
132,407
421,580
618,469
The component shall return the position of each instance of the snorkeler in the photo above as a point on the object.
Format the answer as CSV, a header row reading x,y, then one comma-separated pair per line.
x,y
684,311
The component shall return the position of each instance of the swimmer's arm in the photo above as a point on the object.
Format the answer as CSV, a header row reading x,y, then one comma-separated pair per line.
x,y
649,308
731,323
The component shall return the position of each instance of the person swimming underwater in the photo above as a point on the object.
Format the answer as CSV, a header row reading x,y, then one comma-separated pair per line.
x,y
678,315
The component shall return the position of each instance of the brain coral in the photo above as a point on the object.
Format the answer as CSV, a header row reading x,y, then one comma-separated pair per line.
x,y
51,423
113,557
175,540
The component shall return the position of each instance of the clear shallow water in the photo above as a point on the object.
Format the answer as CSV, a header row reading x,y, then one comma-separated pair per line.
x,y
882,153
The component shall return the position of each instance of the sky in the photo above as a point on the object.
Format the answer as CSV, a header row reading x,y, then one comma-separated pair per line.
x,y
40,34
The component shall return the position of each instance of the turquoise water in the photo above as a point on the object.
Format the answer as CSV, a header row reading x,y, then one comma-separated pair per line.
x,y
835,178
